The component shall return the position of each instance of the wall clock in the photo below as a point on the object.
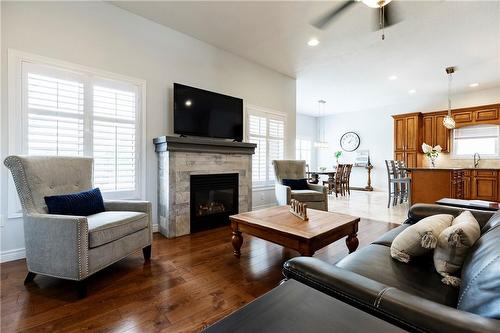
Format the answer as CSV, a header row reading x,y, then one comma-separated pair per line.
x,y
349,141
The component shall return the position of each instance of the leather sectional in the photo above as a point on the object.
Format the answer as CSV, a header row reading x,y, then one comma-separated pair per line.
x,y
412,295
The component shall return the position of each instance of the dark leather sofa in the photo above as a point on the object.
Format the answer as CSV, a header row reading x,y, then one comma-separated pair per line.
x,y
412,295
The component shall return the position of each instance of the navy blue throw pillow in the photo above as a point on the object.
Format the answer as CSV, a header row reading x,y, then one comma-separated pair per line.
x,y
296,184
80,204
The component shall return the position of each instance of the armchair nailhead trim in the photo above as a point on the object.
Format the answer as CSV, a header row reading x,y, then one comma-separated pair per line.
x,y
19,175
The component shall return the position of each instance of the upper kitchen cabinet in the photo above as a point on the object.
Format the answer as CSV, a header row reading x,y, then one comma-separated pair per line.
x,y
407,138
434,133
412,129
487,114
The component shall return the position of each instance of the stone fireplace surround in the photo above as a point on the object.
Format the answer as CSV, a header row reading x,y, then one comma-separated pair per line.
x,y
179,158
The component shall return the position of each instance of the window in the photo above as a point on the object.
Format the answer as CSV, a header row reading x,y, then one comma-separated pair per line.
x,y
303,150
482,139
267,130
79,112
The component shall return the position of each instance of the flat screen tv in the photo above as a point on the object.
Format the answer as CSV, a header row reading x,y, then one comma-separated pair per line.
x,y
204,113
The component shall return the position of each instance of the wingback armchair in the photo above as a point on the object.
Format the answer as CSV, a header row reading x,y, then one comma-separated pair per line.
x,y
315,196
74,247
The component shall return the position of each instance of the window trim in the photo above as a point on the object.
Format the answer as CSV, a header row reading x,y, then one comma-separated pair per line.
x,y
16,113
262,111
454,156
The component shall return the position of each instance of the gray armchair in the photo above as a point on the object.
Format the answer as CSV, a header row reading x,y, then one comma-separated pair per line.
x,y
74,247
315,196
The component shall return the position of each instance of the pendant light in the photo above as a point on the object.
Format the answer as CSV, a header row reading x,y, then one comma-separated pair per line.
x,y
321,143
448,120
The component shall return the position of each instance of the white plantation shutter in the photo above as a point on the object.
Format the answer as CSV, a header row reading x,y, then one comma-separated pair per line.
x,y
71,113
267,130
275,143
114,140
54,115
257,129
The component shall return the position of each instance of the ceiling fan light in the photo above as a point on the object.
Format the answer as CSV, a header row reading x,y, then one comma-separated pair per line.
x,y
375,3
449,122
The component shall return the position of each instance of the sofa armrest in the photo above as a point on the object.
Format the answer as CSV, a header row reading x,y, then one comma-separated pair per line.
x,y
128,205
420,211
283,194
405,310
429,316
318,188
347,286
57,245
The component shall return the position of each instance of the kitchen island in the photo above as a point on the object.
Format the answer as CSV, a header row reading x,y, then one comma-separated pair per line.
x,y
431,184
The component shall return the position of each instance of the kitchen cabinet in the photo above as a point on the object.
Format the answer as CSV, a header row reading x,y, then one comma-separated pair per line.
x,y
434,133
484,186
407,139
431,184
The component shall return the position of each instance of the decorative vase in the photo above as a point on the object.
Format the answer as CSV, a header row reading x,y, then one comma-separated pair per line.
x,y
433,161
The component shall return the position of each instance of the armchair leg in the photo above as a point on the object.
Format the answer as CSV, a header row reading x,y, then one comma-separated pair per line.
x,y
82,288
29,277
147,253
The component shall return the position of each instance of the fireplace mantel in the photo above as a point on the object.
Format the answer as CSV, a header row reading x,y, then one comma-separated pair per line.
x,y
202,145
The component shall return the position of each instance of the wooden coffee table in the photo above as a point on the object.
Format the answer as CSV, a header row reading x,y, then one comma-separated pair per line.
x,y
279,226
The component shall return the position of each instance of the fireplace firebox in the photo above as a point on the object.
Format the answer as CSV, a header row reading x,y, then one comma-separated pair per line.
x,y
213,198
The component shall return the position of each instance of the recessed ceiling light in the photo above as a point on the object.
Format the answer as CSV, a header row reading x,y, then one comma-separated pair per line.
x,y
412,91
393,77
473,85
188,102
313,42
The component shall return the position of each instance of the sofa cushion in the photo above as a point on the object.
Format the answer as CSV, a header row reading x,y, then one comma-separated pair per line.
x,y
108,226
453,245
387,238
480,287
420,238
417,278
307,195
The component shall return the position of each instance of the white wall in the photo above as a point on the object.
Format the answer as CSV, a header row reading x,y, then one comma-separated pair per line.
x,y
375,128
307,129
102,36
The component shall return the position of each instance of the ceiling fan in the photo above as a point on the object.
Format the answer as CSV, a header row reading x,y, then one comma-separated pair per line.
x,y
386,15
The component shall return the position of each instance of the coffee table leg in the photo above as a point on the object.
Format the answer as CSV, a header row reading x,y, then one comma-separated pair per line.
x,y
237,240
352,241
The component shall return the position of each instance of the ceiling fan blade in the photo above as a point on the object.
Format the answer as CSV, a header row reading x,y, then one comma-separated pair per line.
x,y
324,20
391,16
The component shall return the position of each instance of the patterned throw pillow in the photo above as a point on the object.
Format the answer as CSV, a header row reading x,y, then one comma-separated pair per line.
x,y
419,238
454,244
78,204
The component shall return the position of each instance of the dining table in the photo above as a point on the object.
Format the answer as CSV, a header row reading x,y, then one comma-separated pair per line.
x,y
314,175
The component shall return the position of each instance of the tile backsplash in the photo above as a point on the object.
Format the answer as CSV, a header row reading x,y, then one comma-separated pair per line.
x,y
445,160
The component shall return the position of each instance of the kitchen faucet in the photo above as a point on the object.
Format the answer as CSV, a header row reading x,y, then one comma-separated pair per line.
x,y
477,158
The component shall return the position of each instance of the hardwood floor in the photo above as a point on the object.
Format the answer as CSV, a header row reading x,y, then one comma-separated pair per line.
x,y
191,282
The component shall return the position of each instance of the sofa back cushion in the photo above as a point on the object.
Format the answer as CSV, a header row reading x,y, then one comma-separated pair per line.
x,y
480,287
420,211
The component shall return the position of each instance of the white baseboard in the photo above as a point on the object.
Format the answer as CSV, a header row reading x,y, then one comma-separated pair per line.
x,y
11,255
155,227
